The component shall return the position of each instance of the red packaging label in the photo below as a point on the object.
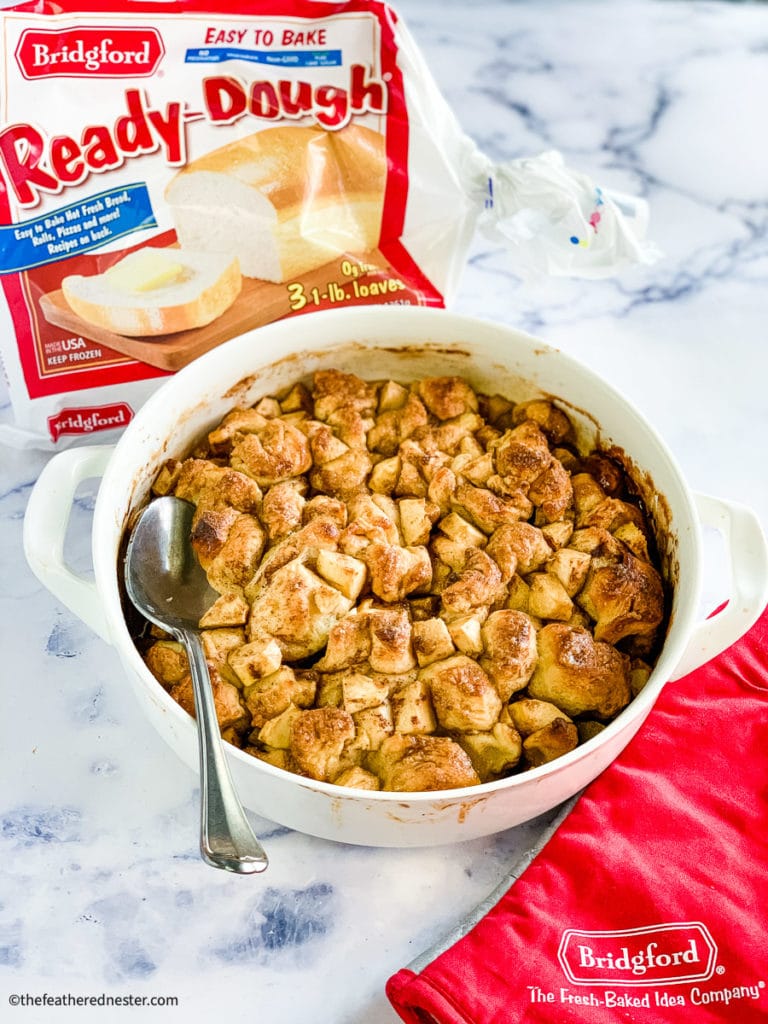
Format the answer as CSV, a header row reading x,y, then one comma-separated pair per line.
x,y
90,51
89,419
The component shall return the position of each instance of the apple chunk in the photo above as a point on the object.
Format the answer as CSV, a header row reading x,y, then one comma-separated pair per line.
x,y
346,573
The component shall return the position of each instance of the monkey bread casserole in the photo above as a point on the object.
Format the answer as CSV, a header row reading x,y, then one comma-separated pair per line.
x,y
421,587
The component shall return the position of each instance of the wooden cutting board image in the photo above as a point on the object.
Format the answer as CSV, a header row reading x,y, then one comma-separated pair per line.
x,y
347,280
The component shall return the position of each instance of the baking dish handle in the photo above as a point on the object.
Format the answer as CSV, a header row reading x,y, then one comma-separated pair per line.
x,y
45,528
748,560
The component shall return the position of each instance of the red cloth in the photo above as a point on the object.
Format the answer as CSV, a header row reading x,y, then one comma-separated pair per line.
x,y
668,846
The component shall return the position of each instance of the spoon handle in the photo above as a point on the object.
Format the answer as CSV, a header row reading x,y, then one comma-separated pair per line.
x,y
226,838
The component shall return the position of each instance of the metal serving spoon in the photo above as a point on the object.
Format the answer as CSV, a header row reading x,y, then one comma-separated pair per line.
x,y
166,583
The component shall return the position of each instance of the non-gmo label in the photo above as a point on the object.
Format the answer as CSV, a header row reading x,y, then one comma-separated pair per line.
x,y
281,58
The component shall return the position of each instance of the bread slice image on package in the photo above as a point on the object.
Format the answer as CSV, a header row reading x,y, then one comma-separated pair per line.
x,y
155,291
279,205
284,200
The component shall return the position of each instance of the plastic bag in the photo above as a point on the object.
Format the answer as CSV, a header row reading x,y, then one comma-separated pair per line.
x,y
172,176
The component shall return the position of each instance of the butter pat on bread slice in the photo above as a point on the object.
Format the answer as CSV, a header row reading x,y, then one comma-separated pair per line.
x,y
152,292
144,271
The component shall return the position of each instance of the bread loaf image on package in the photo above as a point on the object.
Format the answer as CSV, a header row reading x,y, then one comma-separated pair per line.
x,y
156,291
284,200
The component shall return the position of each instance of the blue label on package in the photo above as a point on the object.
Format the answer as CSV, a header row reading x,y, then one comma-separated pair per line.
x,y
291,58
79,227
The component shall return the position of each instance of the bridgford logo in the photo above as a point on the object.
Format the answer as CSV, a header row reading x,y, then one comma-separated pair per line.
x,y
89,52
664,954
89,419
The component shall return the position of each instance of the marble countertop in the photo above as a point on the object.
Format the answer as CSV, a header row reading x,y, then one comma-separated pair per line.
x,y
102,889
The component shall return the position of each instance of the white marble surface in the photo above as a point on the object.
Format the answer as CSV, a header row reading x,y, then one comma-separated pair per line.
x,y
101,889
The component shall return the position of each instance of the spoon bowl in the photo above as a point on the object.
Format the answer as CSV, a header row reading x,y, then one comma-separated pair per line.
x,y
163,577
167,584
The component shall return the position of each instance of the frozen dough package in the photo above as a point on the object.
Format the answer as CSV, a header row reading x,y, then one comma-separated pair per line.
x,y
174,175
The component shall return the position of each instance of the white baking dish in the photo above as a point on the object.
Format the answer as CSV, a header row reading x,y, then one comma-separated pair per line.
x,y
403,343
